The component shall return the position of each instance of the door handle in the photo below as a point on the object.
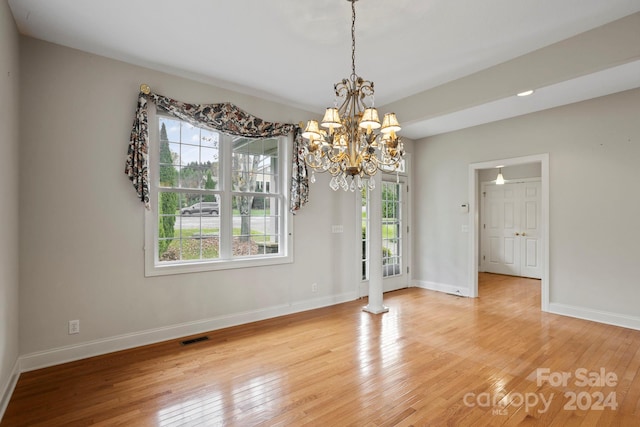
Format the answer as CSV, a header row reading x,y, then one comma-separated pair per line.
x,y
517,234
524,234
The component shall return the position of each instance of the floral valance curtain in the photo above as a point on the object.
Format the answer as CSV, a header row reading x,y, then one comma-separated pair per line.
x,y
224,117
299,194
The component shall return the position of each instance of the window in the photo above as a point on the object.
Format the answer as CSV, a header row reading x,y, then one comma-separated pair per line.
x,y
218,201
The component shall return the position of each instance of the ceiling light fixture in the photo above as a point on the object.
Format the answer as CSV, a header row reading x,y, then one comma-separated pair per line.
x,y
350,140
526,92
500,178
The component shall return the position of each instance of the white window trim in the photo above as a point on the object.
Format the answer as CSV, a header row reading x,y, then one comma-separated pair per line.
x,y
154,268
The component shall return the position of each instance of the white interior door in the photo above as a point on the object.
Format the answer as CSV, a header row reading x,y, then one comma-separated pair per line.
x,y
510,230
531,235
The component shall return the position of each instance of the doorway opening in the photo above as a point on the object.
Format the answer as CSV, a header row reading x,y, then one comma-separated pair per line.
x,y
514,245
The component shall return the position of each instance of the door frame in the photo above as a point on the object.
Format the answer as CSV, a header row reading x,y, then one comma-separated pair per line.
x,y
474,219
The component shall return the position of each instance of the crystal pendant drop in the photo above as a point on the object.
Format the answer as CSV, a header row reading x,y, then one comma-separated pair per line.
x,y
334,184
313,177
359,182
352,187
343,183
372,183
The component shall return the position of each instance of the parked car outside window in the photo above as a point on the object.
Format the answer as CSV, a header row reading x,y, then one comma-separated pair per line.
x,y
201,208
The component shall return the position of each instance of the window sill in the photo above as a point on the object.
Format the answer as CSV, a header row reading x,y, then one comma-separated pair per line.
x,y
203,266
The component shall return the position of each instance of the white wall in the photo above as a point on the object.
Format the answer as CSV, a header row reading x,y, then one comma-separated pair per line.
x,y
82,225
9,100
594,152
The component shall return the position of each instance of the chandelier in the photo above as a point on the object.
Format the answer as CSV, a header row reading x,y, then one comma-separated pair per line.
x,y
350,141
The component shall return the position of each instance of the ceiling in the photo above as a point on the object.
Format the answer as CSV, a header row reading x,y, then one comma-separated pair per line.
x,y
293,51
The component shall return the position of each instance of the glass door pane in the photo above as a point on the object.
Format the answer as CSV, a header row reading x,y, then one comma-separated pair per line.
x,y
391,229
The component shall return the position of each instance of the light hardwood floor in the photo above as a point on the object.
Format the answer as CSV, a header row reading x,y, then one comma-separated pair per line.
x,y
433,359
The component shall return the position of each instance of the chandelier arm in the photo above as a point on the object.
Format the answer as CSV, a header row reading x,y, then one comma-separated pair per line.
x,y
391,160
366,88
337,158
341,88
342,109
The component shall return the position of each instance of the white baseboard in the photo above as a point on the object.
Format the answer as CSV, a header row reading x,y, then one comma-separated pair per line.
x,y
56,356
7,389
442,287
615,319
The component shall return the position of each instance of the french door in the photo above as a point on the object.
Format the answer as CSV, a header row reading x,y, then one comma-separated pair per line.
x,y
394,233
511,230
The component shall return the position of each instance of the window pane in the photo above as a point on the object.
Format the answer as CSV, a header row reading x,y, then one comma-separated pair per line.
x,y
201,177
169,249
174,150
191,176
199,246
266,183
171,129
253,164
190,134
209,139
208,156
256,222
189,154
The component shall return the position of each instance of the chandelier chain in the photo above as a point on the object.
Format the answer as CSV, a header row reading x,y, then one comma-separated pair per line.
x,y
353,38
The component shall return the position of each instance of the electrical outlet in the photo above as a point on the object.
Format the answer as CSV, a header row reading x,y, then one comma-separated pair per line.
x,y
74,327
314,287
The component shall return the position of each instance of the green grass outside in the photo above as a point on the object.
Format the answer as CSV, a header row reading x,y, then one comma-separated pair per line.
x,y
254,212
191,246
388,231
